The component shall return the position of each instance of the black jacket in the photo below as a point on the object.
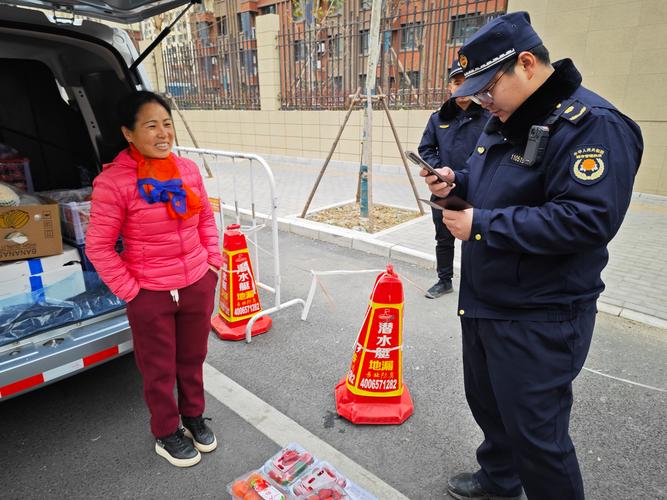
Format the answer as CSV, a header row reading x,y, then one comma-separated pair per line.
x,y
451,134
540,233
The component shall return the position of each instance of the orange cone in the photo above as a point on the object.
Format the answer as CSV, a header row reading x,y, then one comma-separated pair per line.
x,y
373,390
239,300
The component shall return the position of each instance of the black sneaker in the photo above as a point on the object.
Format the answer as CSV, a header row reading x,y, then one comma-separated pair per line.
x,y
200,433
177,449
439,289
466,487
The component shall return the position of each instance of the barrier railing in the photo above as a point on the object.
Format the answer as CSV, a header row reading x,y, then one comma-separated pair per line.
x,y
251,231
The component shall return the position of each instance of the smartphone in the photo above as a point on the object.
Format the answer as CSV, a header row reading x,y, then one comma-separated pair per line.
x,y
419,161
451,202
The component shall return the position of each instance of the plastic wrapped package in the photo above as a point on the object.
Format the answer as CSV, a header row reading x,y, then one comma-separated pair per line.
x,y
255,486
34,312
288,464
33,316
74,212
97,299
68,195
319,476
329,491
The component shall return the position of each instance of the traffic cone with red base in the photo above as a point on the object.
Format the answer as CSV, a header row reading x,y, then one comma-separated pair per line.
x,y
373,391
239,300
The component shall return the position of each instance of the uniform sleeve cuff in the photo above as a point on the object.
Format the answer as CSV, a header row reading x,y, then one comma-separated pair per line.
x,y
481,219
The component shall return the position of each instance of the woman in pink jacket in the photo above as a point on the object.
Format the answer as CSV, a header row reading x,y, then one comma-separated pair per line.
x,y
167,272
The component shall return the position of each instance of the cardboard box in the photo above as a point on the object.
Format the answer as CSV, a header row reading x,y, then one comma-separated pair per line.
x,y
18,269
60,284
29,231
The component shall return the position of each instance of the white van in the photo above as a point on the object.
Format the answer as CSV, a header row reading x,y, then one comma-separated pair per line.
x,y
59,83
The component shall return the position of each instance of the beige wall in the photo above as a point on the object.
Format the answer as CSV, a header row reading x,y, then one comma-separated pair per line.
x,y
620,47
302,133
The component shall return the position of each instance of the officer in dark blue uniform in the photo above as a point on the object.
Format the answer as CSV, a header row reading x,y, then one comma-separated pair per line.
x,y
550,182
448,140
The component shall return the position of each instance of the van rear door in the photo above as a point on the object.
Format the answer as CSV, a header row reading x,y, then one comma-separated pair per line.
x,y
120,11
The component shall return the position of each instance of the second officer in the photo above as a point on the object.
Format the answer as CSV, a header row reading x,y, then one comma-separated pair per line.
x,y
449,139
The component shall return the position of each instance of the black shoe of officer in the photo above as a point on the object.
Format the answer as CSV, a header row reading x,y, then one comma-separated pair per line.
x,y
177,449
439,289
200,433
466,487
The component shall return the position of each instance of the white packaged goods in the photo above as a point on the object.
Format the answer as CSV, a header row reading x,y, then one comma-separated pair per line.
x,y
57,277
62,284
10,271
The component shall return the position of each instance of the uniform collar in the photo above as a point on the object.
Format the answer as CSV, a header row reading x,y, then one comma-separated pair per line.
x,y
451,110
560,85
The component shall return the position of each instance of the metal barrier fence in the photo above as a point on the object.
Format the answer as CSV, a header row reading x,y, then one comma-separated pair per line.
x,y
243,207
322,64
218,73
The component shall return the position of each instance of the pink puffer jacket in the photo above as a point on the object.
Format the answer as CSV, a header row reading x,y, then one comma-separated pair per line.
x,y
159,253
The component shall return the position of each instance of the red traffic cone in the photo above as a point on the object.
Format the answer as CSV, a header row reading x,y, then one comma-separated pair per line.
x,y
239,300
373,390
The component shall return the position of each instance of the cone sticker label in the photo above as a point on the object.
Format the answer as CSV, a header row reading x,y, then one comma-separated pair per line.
x,y
376,363
238,293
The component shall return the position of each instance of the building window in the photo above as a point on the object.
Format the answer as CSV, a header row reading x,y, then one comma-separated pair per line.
x,y
221,23
338,84
246,22
414,80
204,29
269,9
466,25
362,81
299,50
248,61
336,46
411,35
364,42
366,4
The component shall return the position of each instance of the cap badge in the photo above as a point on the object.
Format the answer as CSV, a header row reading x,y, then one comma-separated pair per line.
x,y
463,61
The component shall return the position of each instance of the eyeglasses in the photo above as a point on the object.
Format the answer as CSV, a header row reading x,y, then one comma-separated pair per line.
x,y
484,98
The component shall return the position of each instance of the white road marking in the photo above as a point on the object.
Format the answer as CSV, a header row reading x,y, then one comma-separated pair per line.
x,y
625,380
283,430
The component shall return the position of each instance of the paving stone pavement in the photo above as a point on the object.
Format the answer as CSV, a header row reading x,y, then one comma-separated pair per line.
x,y
636,276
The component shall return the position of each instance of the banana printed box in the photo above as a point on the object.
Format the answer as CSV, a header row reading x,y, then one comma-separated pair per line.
x,y
28,231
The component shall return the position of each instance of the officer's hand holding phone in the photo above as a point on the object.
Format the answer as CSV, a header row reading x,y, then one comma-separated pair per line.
x,y
435,184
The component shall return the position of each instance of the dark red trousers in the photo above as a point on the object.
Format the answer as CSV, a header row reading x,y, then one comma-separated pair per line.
x,y
170,344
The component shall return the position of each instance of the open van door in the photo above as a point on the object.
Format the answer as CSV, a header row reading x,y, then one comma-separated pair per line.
x,y
120,11
59,84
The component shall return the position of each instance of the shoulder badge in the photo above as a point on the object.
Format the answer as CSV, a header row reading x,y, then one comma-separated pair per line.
x,y
574,111
589,164
444,125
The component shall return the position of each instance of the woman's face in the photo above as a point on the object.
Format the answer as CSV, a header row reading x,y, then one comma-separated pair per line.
x,y
153,133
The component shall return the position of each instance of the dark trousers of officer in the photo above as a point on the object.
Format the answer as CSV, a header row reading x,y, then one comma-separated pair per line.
x,y
518,382
444,247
